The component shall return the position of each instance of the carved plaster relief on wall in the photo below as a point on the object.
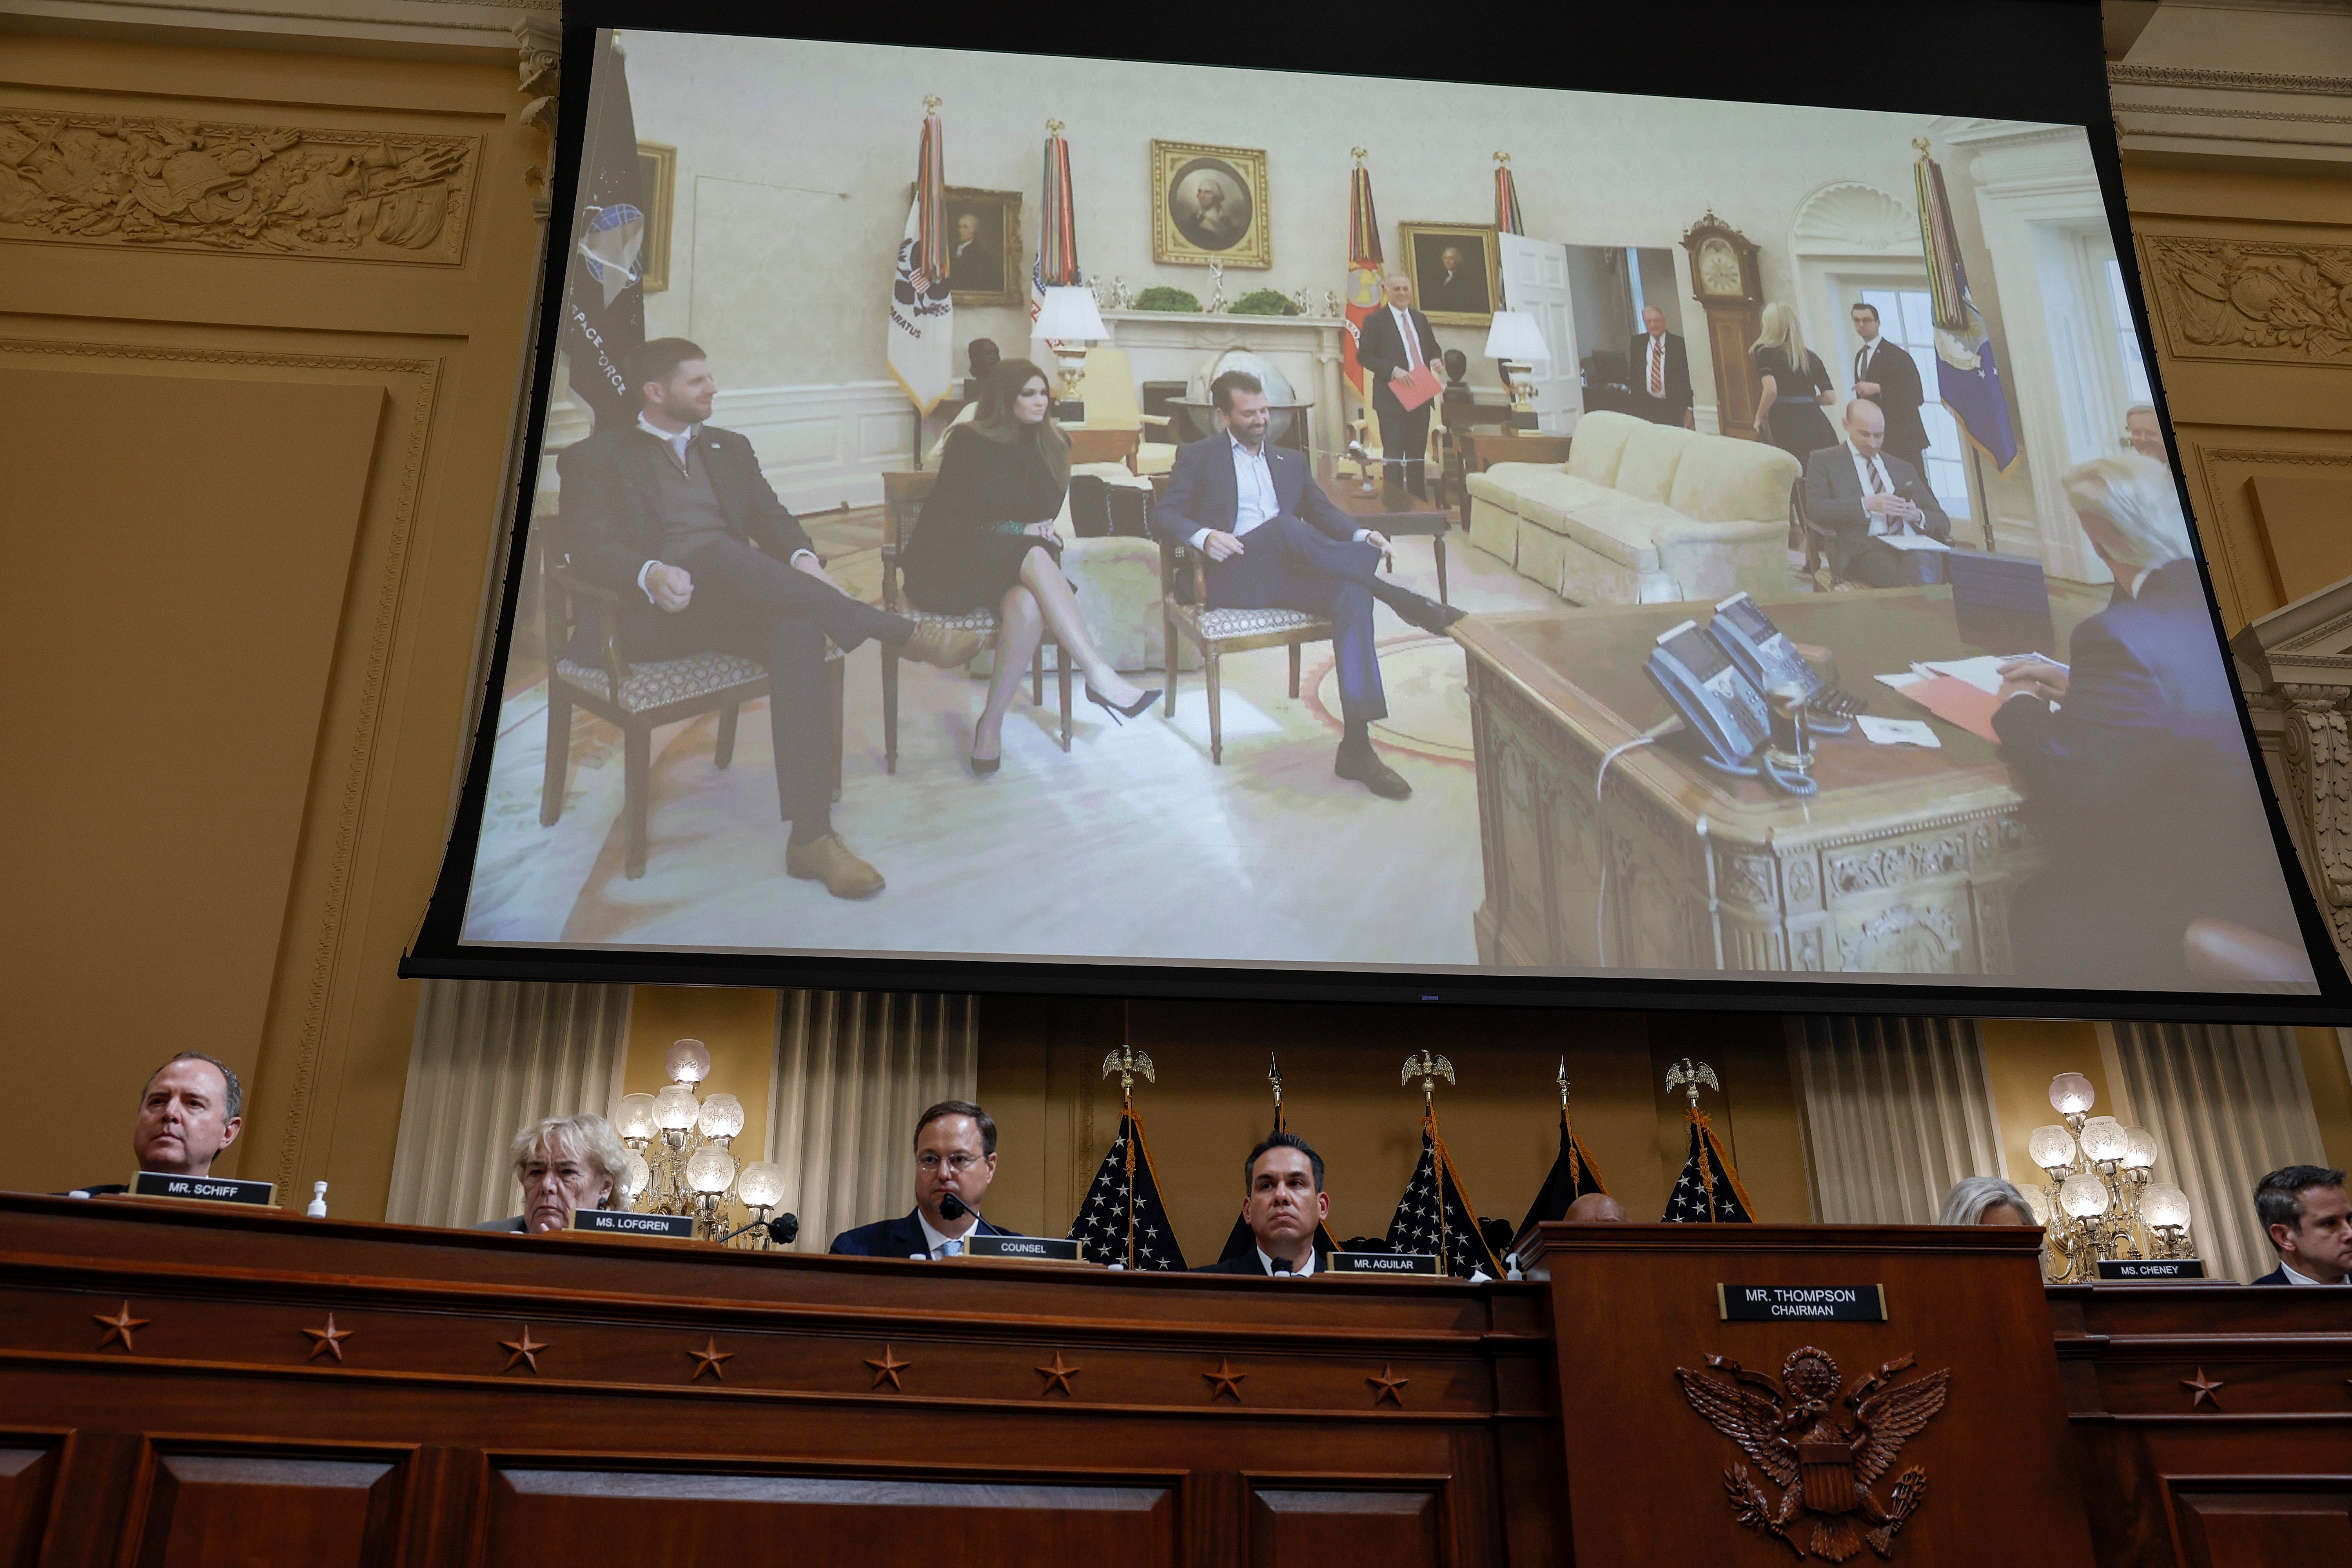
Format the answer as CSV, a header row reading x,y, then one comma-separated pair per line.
x,y
2250,299
202,184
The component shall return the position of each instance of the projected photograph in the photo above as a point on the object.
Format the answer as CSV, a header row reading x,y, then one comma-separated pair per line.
x,y
1736,541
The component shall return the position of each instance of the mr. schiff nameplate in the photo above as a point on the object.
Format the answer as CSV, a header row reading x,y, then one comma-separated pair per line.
x,y
621,1222
1378,1263
202,1189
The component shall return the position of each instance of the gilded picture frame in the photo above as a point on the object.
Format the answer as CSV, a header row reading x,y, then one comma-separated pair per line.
x,y
658,185
1209,204
986,263
1464,294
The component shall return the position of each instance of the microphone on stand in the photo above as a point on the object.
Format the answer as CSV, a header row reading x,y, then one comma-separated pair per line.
x,y
1283,1265
953,1208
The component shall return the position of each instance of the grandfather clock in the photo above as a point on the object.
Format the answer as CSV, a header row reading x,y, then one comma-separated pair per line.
x,y
1725,281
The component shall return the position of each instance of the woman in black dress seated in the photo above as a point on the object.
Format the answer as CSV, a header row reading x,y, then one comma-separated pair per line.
x,y
986,541
1795,387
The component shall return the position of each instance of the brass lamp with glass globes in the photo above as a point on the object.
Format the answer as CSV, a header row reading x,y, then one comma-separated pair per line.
x,y
681,1154
2101,1203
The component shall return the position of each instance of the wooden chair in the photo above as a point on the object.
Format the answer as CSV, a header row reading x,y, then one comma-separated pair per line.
x,y
637,698
1818,540
903,494
1216,633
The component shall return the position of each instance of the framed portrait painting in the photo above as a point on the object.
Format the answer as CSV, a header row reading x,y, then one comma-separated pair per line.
x,y
657,186
985,264
1208,204
1454,268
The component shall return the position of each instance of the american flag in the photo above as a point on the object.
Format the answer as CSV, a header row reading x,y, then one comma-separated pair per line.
x,y
1709,1190
1122,1219
1571,1177
1435,1215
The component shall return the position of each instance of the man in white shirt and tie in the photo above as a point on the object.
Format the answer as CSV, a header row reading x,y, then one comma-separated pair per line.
x,y
1398,341
1869,495
1659,363
2309,1219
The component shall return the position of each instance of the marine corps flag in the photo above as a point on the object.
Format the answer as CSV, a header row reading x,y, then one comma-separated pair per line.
x,y
922,305
1122,1220
1242,1241
1363,271
1435,1215
603,294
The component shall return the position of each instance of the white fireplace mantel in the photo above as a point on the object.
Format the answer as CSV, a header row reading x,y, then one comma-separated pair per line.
x,y
1168,345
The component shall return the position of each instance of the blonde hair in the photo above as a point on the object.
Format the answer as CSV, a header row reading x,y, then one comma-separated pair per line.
x,y
2131,509
1780,331
586,1138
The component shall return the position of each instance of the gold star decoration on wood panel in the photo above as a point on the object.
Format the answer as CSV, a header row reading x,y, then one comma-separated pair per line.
x,y
120,1327
1226,1380
1057,1375
330,1338
1388,1386
523,1351
888,1367
710,1358
2202,1387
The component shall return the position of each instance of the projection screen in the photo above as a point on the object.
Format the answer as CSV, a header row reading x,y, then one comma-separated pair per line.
x,y
1722,552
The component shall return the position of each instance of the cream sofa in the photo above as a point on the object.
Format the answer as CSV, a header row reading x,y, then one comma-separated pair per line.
x,y
1640,513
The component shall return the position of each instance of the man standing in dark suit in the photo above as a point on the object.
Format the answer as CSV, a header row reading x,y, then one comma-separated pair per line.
x,y
1659,363
1884,373
1397,341
1283,1203
1869,497
675,517
1274,540
2309,1221
955,1159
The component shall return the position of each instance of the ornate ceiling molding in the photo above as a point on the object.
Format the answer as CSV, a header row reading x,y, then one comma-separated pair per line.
x,y
1853,217
2124,73
2252,299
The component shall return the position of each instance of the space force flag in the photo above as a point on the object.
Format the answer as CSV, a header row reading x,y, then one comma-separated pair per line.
x,y
1968,376
603,293
922,306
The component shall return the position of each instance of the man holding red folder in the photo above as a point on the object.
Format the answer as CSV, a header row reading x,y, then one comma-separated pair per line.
x,y
1396,351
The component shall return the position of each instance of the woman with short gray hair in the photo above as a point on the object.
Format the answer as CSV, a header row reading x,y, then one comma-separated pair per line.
x,y
565,1164
1985,1200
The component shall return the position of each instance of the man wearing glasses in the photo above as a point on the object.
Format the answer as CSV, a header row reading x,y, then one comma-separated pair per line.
x,y
955,1159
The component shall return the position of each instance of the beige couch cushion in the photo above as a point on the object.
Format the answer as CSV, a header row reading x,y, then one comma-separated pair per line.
x,y
1733,481
1543,495
1600,443
1628,531
1646,472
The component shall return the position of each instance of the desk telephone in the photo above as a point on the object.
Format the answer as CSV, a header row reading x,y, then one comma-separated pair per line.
x,y
1723,708
1766,657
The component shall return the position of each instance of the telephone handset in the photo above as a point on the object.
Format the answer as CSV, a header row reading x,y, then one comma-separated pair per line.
x,y
1717,704
1766,657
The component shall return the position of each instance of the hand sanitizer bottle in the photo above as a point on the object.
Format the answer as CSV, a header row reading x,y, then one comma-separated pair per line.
x,y
318,1209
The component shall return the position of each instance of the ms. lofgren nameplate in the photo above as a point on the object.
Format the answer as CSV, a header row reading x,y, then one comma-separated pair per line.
x,y
1801,1303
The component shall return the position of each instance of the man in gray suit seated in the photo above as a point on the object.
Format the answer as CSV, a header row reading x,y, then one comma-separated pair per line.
x,y
1868,497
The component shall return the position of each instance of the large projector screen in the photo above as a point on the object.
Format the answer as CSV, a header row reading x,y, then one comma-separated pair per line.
x,y
1758,574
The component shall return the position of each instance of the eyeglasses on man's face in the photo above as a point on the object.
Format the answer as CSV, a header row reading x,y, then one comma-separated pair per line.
x,y
959,1162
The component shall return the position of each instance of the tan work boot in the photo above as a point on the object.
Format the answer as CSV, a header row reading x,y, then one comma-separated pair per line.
x,y
947,648
828,860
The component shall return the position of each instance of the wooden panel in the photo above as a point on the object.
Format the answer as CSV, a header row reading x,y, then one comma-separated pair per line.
x,y
2301,517
26,1477
1296,1527
2227,1526
540,1516
232,1511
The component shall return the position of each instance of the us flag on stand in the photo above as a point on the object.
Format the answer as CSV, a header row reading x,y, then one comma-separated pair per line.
x,y
1122,1220
1435,1215
1708,1191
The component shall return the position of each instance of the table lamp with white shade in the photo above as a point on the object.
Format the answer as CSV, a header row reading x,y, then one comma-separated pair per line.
x,y
1069,319
1515,340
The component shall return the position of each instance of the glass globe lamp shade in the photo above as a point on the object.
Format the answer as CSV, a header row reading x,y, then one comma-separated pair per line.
x,y
2039,1204
689,1061
675,1109
635,1175
2053,1147
634,1117
2071,1094
2105,1139
710,1170
2165,1207
2084,1197
722,1116
2140,1151
762,1184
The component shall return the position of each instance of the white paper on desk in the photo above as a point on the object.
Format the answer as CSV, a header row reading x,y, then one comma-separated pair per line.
x,y
1901,679
1911,541
1897,731
1983,672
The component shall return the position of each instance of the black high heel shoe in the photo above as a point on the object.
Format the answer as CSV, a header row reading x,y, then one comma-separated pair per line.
x,y
1121,715
984,766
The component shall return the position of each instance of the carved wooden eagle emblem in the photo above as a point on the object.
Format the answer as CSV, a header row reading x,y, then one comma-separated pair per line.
x,y
1822,1443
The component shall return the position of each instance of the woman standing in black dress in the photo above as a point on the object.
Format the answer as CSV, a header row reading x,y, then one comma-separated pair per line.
x,y
986,540
1796,387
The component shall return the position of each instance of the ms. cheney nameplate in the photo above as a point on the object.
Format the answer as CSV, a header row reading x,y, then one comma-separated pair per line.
x,y
202,1189
621,1222
1383,1263
2139,1269
1803,1303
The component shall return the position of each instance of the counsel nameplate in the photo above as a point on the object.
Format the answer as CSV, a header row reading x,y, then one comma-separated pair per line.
x,y
2145,1268
1383,1263
1026,1248
622,1222
1801,1303
202,1189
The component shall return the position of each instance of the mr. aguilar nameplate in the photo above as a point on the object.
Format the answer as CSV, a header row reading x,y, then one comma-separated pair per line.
x,y
1803,1303
621,1222
202,1189
1383,1263
1026,1248
2138,1270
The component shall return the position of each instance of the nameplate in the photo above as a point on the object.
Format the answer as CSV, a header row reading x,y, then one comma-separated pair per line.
x,y
202,1189
1382,1263
621,1222
1801,1303
1026,1248
2137,1269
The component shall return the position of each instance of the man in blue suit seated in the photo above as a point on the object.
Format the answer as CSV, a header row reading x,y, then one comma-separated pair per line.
x,y
1283,1204
1274,540
2310,1222
955,1159
2137,784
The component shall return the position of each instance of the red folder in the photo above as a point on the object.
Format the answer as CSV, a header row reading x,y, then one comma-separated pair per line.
x,y
1955,701
1417,388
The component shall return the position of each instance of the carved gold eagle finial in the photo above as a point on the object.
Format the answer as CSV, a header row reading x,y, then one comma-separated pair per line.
x,y
1127,1061
1429,1070
1689,1076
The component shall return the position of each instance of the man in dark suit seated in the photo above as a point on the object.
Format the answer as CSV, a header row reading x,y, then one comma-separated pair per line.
x,y
1282,1202
2138,783
2309,1220
1274,540
1868,498
955,1159
191,1110
675,516
1885,374
1658,361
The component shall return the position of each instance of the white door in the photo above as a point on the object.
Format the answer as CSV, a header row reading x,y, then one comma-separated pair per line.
x,y
1535,281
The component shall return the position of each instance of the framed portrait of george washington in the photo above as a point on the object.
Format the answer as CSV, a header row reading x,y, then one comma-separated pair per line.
x,y
1208,204
1454,270
984,264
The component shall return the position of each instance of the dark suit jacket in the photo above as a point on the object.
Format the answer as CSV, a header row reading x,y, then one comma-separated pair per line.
x,y
1202,493
1833,498
612,502
1899,395
900,1237
1381,350
2276,1276
1678,397
1248,1265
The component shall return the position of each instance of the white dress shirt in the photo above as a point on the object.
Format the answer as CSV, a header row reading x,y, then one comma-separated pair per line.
x,y
677,441
1863,468
1862,357
1266,1261
1254,500
1412,339
938,1239
2294,1279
